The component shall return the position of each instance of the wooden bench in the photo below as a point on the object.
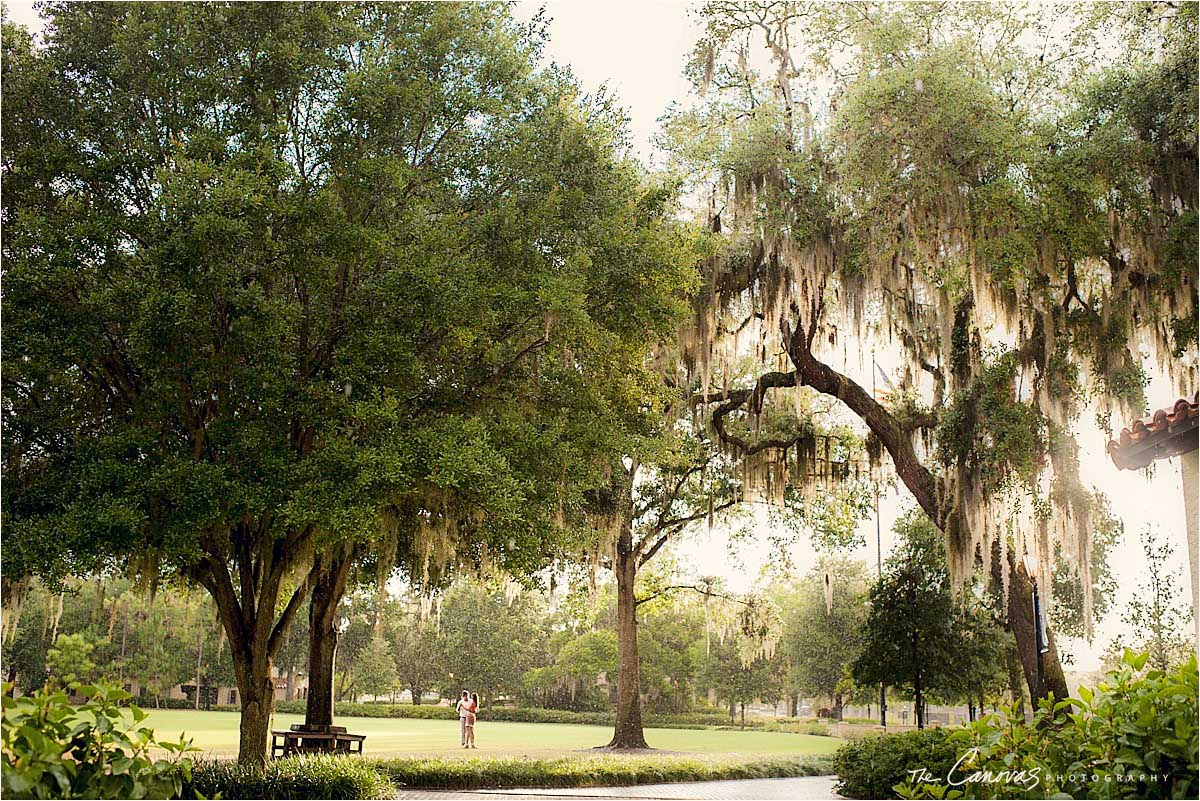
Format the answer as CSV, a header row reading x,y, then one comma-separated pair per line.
x,y
291,742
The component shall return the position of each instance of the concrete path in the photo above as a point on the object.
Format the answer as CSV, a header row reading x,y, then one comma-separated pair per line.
x,y
807,788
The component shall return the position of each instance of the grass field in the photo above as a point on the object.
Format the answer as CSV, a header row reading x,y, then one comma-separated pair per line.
x,y
216,734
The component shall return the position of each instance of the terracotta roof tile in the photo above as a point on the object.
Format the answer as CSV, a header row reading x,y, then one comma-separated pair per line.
x,y
1167,432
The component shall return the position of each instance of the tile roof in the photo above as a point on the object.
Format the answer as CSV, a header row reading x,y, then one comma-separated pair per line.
x,y
1167,432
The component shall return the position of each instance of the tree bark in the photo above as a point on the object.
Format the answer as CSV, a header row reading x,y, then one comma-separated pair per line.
x,y
794,706
256,692
416,695
628,730
919,700
333,571
199,660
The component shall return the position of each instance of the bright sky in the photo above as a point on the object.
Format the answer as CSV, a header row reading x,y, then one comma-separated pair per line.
x,y
638,50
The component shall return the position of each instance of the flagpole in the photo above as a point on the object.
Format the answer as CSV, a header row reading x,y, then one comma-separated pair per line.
x,y
878,552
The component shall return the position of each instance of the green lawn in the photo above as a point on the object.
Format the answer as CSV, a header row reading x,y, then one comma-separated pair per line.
x,y
216,734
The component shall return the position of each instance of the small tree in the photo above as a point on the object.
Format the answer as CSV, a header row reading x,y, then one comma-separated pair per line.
x,y
979,666
820,643
910,631
70,659
737,681
1164,628
416,648
375,670
489,639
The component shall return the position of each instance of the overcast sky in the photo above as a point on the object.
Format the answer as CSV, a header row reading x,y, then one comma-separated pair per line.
x,y
638,49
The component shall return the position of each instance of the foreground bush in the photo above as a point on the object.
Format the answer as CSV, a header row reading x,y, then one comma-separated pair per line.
x,y
52,749
872,766
1135,736
308,776
590,771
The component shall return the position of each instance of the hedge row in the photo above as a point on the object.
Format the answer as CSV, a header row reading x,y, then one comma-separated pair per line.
x,y
591,771
518,715
312,776
326,776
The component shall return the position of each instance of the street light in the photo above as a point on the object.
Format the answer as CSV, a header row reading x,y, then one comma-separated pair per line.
x,y
1039,624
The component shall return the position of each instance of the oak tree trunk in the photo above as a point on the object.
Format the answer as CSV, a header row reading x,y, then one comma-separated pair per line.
x,y
919,700
256,692
255,614
1048,678
628,731
328,589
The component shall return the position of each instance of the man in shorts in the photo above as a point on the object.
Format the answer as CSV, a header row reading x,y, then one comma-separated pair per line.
x,y
464,702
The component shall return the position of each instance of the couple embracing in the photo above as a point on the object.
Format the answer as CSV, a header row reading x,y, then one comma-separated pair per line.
x,y
468,705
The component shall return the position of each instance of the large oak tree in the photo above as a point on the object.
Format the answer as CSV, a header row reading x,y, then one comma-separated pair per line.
x,y
960,186
282,279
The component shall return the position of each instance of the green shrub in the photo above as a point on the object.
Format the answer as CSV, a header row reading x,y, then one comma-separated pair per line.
x,y
519,715
52,749
356,710
872,766
589,771
799,726
307,776
1105,744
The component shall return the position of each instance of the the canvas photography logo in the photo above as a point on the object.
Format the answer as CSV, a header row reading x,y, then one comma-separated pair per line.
x,y
967,778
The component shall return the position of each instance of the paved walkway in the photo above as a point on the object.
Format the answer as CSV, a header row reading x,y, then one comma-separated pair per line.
x,y
807,788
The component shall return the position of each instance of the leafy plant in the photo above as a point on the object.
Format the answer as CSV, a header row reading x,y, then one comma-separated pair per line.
x,y
873,766
1135,736
52,749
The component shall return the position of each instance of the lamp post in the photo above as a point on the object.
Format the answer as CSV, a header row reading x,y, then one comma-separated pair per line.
x,y
1039,624
878,558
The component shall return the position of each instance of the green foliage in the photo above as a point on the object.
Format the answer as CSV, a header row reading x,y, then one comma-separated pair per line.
x,y
736,681
573,675
70,659
488,640
1067,614
306,776
1135,736
819,645
416,649
589,771
375,670
155,642
99,749
872,766
988,429
322,274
